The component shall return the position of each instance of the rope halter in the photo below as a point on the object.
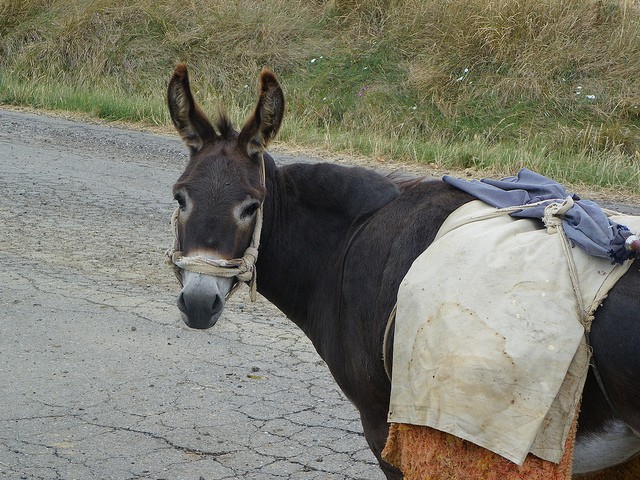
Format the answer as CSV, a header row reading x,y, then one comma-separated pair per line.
x,y
243,269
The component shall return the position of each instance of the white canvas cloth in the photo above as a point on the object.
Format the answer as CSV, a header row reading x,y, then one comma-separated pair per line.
x,y
488,342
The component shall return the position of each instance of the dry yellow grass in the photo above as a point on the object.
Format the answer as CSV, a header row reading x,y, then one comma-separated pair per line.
x,y
552,84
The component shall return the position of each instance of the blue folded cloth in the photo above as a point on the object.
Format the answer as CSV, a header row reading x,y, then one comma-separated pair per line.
x,y
585,224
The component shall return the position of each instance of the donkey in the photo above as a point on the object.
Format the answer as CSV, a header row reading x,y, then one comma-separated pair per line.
x,y
334,245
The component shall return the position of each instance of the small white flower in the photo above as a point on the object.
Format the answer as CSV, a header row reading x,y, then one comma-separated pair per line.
x,y
464,74
591,97
313,60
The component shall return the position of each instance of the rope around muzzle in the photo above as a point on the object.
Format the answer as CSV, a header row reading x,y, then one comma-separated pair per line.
x,y
243,268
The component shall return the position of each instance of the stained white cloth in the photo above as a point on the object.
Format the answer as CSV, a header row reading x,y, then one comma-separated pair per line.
x,y
488,342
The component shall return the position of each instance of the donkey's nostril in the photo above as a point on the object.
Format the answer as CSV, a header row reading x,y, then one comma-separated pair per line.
x,y
218,305
182,306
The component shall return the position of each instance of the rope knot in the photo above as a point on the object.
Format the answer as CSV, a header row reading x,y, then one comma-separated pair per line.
x,y
554,213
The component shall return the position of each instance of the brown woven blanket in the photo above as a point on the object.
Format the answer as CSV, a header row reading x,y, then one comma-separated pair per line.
x,y
423,453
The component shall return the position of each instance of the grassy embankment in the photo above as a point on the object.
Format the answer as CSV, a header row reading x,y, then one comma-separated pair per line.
x,y
492,85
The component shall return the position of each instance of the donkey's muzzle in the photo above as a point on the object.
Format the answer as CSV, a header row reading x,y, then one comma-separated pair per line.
x,y
201,299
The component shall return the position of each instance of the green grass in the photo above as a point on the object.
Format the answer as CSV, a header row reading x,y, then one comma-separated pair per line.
x,y
100,104
487,85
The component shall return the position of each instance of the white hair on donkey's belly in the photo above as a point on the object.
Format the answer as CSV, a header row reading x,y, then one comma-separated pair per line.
x,y
613,446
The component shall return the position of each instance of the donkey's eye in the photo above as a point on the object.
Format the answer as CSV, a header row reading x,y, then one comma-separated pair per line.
x,y
250,210
182,203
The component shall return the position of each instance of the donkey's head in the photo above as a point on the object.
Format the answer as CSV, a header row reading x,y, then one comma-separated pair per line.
x,y
219,195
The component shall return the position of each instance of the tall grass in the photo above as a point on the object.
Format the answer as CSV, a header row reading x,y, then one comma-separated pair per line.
x,y
490,85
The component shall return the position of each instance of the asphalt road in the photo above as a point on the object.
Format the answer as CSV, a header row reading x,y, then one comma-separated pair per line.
x,y
99,378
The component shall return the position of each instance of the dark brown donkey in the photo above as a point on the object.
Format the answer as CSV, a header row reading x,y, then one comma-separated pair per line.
x,y
334,246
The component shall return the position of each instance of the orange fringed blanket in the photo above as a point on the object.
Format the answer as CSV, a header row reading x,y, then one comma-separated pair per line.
x,y
423,453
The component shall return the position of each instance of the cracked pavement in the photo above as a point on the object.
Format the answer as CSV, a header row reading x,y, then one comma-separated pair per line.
x,y
99,378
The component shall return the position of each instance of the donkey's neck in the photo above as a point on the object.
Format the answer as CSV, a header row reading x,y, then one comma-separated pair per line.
x,y
311,212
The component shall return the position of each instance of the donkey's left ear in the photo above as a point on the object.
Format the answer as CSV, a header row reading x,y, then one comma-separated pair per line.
x,y
263,125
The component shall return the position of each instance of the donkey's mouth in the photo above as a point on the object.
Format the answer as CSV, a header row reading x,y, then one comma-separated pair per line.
x,y
202,299
199,321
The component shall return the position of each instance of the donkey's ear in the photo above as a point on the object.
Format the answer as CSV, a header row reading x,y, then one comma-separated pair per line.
x,y
187,116
261,127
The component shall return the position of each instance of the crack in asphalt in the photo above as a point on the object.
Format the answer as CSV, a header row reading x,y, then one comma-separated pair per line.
x,y
170,443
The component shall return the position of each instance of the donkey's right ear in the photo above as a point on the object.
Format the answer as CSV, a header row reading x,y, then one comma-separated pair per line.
x,y
187,116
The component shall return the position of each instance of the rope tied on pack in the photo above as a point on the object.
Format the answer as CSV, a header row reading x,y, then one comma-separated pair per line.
x,y
553,218
242,268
